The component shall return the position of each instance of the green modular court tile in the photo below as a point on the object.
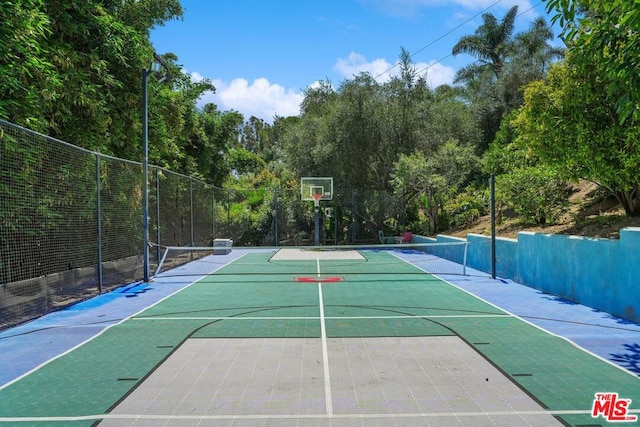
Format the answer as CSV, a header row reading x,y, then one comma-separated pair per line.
x,y
95,376
412,297
587,420
392,327
92,378
275,328
560,375
372,263
256,311
216,296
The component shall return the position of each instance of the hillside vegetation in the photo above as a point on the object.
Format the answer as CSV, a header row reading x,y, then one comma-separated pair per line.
x,y
592,213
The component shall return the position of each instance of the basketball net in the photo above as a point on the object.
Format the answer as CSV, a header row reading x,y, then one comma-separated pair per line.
x,y
316,199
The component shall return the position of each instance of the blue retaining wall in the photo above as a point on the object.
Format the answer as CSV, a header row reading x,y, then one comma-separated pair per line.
x,y
600,273
452,253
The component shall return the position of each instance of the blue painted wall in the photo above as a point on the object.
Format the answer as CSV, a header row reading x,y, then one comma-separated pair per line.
x,y
453,253
600,273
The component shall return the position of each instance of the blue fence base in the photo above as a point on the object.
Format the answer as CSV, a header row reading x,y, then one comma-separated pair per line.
x,y
603,274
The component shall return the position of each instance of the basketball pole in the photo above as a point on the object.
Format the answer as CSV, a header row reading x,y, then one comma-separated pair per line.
x,y
316,217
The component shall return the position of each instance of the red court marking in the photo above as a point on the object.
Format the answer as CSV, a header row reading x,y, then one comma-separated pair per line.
x,y
330,279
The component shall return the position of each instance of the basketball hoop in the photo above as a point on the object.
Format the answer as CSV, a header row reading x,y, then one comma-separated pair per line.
x,y
316,199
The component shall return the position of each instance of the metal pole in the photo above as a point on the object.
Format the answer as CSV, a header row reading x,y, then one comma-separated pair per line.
x,y
157,214
99,223
191,211
213,215
145,177
275,217
353,215
492,186
145,158
335,225
316,214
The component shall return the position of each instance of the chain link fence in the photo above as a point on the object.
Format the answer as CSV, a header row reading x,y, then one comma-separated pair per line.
x,y
71,220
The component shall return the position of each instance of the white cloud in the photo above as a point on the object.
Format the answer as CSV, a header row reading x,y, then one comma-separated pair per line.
x,y
259,98
356,63
195,76
382,70
436,73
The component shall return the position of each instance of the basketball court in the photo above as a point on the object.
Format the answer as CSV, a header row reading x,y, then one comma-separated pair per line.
x,y
291,336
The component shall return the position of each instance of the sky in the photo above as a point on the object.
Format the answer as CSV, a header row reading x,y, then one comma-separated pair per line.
x,y
262,55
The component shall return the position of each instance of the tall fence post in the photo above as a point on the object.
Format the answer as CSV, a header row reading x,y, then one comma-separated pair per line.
x,y
191,210
492,188
145,176
353,216
99,223
275,217
158,236
213,214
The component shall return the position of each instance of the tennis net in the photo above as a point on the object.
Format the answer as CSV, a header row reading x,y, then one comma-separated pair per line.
x,y
315,261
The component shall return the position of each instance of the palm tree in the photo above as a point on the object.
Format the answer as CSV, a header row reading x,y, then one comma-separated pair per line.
x,y
505,65
491,44
533,49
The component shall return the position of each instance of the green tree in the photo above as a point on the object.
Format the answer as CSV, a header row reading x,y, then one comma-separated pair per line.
x,y
177,137
491,44
536,193
441,117
571,122
431,181
605,39
318,99
505,64
73,69
531,56
220,131
357,132
27,79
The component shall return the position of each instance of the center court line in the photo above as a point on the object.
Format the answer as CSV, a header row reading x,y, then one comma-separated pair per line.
x,y
318,264
325,355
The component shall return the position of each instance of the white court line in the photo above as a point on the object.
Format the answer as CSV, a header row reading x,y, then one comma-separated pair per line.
x,y
434,316
325,355
448,279
301,416
109,326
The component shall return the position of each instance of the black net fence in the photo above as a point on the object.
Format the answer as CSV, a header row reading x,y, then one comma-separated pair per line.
x,y
71,220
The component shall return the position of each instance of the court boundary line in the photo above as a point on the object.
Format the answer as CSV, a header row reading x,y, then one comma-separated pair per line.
x,y
506,314
568,340
109,416
108,327
573,343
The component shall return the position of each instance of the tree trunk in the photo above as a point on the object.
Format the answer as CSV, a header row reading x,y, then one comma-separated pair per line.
x,y
630,200
432,212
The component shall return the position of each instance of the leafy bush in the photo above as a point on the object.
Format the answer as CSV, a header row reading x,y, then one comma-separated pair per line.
x,y
465,208
537,194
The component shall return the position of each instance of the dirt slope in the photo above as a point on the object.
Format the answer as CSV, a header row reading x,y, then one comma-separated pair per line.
x,y
591,213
